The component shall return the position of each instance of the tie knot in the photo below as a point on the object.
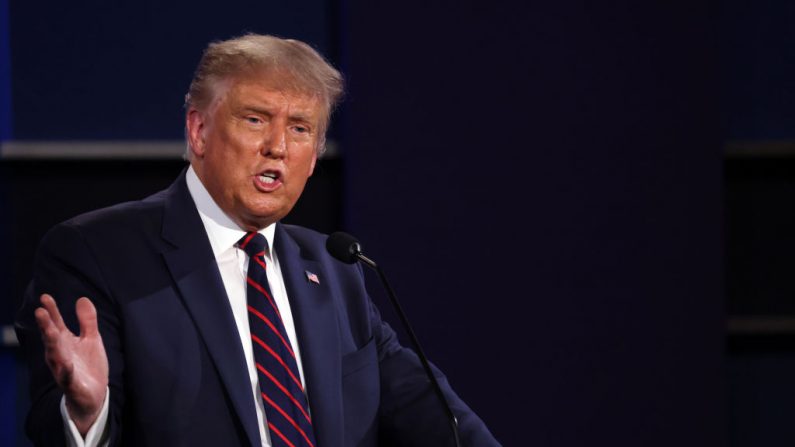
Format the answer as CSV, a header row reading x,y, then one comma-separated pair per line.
x,y
254,244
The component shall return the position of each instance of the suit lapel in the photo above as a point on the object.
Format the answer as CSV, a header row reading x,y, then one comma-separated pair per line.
x,y
318,337
193,267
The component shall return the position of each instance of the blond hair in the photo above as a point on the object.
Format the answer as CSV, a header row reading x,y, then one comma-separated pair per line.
x,y
294,63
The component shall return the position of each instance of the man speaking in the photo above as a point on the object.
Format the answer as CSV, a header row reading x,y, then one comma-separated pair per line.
x,y
193,317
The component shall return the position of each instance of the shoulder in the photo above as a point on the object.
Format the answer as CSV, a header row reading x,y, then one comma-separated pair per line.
x,y
113,226
132,217
305,237
117,248
120,219
311,245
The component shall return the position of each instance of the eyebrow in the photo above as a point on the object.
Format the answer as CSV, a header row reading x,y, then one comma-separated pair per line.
x,y
300,117
297,116
256,109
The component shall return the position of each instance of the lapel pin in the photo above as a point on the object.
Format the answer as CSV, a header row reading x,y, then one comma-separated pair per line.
x,y
311,277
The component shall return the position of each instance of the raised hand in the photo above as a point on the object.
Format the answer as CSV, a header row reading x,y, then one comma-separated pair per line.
x,y
79,364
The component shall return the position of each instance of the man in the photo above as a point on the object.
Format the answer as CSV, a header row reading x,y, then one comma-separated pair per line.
x,y
187,336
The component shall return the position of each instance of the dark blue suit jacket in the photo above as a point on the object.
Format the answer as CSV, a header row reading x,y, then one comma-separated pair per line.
x,y
177,371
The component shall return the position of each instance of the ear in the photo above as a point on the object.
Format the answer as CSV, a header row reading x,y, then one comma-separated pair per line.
x,y
194,125
312,166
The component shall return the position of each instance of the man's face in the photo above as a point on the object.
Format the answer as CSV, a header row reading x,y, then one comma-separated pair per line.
x,y
254,148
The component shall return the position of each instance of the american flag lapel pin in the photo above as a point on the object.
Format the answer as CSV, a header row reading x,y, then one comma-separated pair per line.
x,y
311,277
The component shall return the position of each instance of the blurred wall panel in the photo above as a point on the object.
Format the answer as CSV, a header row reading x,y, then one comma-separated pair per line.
x,y
542,180
120,70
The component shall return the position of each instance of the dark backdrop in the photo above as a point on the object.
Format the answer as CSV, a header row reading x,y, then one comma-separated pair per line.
x,y
543,180
540,179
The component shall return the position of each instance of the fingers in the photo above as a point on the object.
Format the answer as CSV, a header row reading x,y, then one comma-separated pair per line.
x,y
54,341
87,317
52,309
51,322
46,325
63,351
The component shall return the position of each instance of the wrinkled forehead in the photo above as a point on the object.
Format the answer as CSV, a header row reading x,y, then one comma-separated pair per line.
x,y
285,82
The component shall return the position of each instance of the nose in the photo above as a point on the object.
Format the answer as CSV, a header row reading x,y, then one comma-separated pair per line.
x,y
275,144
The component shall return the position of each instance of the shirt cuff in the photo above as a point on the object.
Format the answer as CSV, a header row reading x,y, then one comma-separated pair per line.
x,y
96,436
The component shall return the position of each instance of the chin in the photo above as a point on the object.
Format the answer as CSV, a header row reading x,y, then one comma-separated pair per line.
x,y
262,218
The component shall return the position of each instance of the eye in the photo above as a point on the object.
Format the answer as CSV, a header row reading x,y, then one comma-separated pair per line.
x,y
254,120
301,129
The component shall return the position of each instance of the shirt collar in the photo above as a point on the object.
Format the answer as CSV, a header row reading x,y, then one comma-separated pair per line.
x,y
222,231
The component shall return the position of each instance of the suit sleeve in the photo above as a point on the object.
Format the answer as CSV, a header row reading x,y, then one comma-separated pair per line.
x,y
66,268
410,411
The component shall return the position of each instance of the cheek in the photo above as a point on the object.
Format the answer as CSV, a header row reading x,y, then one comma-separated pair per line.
x,y
246,141
236,153
233,138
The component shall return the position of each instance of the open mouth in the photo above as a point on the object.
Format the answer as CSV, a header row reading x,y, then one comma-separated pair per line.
x,y
268,177
268,181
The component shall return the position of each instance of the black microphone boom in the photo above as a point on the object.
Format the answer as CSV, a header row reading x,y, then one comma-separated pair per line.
x,y
347,249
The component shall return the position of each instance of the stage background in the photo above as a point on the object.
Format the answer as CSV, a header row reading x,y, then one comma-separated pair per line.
x,y
543,181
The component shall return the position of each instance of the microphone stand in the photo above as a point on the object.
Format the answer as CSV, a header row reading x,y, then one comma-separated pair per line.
x,y
414,341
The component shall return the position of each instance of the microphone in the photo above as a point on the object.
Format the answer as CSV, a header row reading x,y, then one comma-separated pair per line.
x,y
347,249
344,247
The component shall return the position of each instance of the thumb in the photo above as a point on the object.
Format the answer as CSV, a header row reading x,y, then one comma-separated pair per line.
x,y
87,317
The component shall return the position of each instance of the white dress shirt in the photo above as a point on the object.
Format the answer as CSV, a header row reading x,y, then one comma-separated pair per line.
x,y
223,235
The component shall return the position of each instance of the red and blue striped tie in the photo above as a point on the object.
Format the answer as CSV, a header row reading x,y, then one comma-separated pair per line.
x,y
285,401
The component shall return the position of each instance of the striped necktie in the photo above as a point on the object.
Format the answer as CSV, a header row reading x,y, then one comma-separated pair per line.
x,y
283,395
